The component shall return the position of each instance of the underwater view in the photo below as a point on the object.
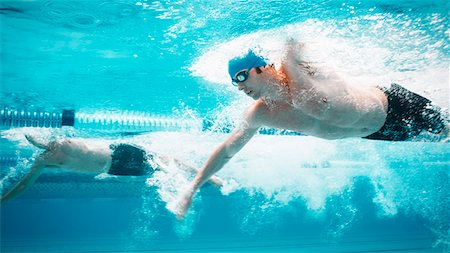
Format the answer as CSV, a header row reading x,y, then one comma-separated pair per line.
x,y
90,88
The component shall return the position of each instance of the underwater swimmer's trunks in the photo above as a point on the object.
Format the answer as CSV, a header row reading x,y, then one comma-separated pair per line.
x,y
129,160
408,114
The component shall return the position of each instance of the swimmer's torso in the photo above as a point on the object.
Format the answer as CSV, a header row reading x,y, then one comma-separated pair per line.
x,y
82,156
334,108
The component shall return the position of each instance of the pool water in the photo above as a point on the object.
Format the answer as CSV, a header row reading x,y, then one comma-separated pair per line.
x,y
168,58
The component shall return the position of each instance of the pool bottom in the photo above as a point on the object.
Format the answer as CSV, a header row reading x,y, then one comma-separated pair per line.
x,y
386,243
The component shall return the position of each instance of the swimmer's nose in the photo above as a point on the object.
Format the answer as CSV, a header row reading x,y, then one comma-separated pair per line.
x,y
241,86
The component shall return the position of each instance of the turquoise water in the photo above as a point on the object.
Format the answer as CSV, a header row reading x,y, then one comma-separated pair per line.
x,y
282,193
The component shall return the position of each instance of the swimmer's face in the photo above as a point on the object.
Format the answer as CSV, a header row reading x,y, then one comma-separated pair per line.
x,y
258,82
246,82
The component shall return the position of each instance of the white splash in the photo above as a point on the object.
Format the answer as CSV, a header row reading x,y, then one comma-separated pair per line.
x,y
380,51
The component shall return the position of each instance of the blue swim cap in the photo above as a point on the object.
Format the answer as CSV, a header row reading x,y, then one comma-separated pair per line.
x,y
248,61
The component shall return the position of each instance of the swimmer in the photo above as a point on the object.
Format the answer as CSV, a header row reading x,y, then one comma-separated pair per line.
x,y
87,156
301,96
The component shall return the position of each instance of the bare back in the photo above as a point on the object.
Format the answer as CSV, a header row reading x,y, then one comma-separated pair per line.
x,y
78,155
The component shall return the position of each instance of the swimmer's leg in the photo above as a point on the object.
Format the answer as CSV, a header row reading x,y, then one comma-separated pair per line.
x,y
35,142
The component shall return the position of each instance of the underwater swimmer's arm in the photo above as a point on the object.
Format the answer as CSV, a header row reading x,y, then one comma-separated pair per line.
x,y
221,155
26,182
238,139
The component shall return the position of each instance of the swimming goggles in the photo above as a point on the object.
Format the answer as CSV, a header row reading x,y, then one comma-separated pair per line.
x,y
241,76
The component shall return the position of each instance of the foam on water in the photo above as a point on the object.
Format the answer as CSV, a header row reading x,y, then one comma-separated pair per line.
x,y
277,171
374,49
296,175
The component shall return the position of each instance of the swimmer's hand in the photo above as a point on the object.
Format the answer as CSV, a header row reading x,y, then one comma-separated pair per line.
x,y
184,202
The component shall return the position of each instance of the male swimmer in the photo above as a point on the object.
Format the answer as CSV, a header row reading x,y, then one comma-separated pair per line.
x,y
303,97
87,156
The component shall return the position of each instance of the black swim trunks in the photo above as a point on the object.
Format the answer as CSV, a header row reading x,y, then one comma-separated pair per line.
x,y
129,160
408,114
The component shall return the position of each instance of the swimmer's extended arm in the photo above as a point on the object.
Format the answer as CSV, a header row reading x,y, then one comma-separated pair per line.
x,y
26,182
221,155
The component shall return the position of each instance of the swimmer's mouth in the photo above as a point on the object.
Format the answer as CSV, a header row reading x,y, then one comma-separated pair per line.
x,y
248,93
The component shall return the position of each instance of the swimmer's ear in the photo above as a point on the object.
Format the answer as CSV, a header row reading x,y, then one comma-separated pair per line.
x,y
35,142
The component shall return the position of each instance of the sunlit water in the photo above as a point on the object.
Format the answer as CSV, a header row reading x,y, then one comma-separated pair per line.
x,y
281,193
